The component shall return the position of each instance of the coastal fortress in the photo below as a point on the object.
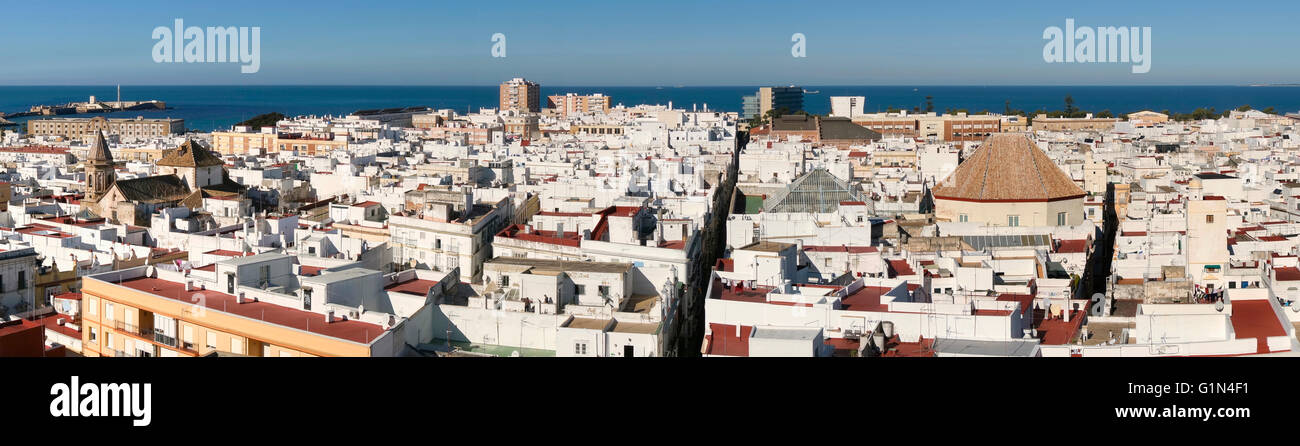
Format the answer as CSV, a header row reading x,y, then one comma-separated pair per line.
x,y
93,106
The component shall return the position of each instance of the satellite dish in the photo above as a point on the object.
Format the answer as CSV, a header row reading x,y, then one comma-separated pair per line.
x,y
1218,306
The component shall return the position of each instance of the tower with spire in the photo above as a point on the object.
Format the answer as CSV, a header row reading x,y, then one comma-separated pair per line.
x,y
100,173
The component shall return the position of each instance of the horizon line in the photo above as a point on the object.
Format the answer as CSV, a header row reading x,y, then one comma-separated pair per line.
x,y
667,86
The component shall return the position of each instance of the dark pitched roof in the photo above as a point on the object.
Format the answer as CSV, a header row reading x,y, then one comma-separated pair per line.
x,y
793,123
155,189
190,154
833,128
99,149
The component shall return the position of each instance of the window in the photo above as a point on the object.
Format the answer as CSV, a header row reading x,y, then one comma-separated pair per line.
x,y
580,348
828,261
1209,219
579,290
264,273
1060,218
93,306
108,311
236,346
93,334
963,218
1013,220
212,340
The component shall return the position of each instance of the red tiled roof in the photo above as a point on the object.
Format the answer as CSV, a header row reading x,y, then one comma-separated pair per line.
x,y
351,330
51,322
35,149
673,244
922,348
742,294
724,341
899,267
1287,273
418,287
727,265
1026,301
1072,246
225,252
1255,319
518,232
843,344
1056,331
68,296
866,298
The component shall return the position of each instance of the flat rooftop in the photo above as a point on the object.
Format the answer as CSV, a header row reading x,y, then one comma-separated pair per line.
x,y
418,287
540,265
741,293
639,303
786,333
765,246
1057,331
866,299
1014,347
724,340
634,327
1256,319
258,258
587,323
350,330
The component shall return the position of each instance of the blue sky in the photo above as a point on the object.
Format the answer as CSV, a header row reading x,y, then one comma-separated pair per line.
x,y
613,43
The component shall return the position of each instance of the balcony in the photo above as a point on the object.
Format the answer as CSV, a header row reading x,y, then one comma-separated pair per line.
x,y
154,337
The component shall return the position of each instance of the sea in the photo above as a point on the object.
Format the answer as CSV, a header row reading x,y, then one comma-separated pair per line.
x,y
206,108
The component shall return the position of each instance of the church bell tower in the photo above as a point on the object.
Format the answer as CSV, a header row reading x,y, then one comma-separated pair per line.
x,y
100,173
